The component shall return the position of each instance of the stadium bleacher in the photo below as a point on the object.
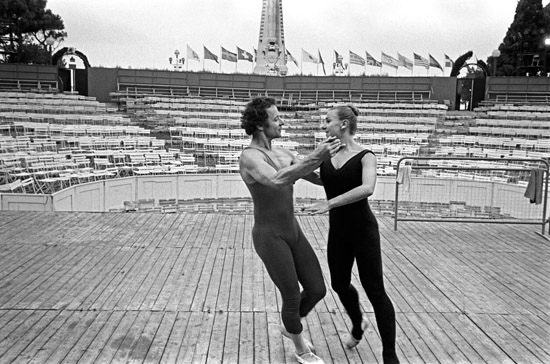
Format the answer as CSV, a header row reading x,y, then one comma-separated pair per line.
x,y
153,133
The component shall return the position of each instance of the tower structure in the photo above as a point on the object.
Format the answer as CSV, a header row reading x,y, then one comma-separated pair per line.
x,y
271,53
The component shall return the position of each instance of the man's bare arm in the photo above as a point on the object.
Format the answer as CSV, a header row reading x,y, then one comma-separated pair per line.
x,y
253,166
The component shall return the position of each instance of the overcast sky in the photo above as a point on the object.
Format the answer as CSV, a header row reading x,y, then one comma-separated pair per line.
x,y
144,34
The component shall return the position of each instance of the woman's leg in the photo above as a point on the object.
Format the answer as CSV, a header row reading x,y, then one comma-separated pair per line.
x,y
340,263
369,264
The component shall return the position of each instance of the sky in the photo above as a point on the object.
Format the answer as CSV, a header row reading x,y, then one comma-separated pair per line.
x,y
144,34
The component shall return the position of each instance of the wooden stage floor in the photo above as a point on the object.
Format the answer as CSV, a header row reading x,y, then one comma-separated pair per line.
x,y
189,288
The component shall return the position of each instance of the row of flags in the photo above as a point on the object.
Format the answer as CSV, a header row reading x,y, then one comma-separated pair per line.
x,y
241,54
354,58
385,59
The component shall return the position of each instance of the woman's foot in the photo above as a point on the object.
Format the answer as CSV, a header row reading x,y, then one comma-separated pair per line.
x,y
308,358
350,341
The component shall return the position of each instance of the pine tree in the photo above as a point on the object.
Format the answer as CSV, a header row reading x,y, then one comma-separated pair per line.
x,y
522,49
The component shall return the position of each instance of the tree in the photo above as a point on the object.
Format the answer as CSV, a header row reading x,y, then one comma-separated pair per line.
x,y
522,49
24,27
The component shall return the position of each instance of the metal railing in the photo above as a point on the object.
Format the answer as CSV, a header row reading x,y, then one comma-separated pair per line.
x,y
488,190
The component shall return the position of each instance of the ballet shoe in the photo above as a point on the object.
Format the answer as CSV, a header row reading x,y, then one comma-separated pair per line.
x,y
308,358
349,341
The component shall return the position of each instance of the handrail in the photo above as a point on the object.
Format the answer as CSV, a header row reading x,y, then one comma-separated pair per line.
x,y
543,221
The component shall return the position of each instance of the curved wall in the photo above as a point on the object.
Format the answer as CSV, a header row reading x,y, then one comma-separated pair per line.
x,y
100,196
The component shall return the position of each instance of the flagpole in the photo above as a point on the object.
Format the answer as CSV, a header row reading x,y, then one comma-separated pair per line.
x,y
221,59
302,62
187,68
203,58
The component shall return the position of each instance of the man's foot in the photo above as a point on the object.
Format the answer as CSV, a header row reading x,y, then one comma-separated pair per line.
x,y
306,341
309,358
349,341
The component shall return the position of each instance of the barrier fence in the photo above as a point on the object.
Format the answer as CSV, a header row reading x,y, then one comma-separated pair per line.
x,y
488,190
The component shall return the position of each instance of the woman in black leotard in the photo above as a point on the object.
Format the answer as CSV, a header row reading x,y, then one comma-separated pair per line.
x,y
349,179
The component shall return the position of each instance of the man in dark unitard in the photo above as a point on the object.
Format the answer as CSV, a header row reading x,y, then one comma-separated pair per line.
x,y
269,172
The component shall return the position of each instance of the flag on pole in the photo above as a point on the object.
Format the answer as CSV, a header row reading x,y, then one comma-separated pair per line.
x,y
291,57
307,57
421,61
321,62
448,62
371,61
389,60
405,62
191,54
338,65
244,55
356,59
229,56
210,55
338,57
434,63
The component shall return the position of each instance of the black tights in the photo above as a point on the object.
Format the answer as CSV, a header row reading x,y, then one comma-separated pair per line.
x,y
341,255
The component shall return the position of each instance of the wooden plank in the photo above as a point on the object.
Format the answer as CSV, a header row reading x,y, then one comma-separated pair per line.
x,y
87,337
94,349
69,286
261,338
168,259
278,349
135,281
65,337
231,338
236,287
117,341
507,343
29,285
481,300
160,340
200,354
216,276
535,332
246,338
479,338
25,333
41,346
218,337
222,299
143,342
178,339
202,279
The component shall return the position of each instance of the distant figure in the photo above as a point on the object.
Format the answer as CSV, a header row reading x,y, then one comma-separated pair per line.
x,y
349,179
269,173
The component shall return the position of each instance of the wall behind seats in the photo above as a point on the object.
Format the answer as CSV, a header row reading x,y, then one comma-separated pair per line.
x,y
102,81
444,90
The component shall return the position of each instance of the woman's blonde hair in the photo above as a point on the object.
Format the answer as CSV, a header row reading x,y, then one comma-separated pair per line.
x,y
349,113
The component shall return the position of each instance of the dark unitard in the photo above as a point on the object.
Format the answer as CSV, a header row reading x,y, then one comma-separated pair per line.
x,y
354,236
285,252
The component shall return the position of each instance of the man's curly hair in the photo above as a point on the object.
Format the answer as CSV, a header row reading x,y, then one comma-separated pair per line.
x,y
255,113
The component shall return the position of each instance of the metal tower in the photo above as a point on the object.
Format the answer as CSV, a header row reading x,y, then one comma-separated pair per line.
x,y
271,53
